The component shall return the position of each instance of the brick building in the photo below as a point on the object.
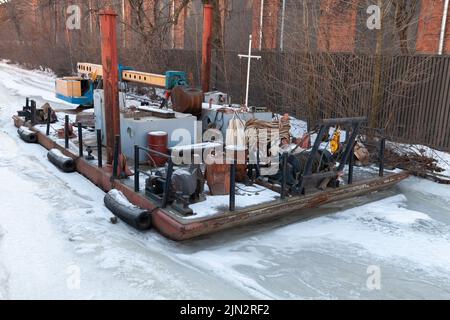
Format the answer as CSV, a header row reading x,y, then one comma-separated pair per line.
x,y
313,25
326,25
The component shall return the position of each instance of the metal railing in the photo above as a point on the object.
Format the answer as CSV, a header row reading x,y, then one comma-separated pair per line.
x,y
169,174
325,126
137,172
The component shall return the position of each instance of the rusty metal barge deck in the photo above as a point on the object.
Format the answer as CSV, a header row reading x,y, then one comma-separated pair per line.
x,y
176,227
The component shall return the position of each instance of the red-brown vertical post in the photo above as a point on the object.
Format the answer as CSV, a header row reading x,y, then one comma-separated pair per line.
x,y
110,78
206,45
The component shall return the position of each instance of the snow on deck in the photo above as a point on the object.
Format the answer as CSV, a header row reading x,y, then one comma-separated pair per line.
x,y
246,196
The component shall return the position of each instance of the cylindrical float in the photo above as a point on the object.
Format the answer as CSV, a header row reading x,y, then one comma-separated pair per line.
x,y
118,204
158,141
63,162
27,135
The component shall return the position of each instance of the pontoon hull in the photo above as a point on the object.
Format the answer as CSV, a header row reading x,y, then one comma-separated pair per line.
x,y
177,228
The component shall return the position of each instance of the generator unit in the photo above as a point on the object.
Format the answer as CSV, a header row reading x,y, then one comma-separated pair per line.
x,y
216,97
75,90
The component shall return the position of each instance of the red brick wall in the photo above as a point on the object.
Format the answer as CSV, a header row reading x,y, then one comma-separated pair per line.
x,y
337,25
429,29
270,23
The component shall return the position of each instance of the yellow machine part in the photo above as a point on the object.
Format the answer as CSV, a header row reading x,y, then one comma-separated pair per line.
x,y
96,70
90,69
335,142
152,79
69,87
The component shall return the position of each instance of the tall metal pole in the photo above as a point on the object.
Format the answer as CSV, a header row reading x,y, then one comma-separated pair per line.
x,y
110,78
261,22
250,57
443,28
283,17
207,45
247,88
99,148
80,140
66,131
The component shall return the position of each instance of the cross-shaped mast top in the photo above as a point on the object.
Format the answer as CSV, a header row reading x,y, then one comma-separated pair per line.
x,y
249,57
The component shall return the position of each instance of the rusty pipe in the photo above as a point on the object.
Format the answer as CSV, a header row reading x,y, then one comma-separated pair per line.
x,y
110,64
207,45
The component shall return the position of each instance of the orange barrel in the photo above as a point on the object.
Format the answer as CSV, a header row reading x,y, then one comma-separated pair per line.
x,y
218,175
158,141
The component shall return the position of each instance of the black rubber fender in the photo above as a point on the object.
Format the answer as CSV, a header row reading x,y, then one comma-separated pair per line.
x,y
27,135
63,162
136,217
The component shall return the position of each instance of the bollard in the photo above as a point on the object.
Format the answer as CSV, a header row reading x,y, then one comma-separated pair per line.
x,y
116,156
99,148
136,169
381,156
284,161
233,185
167,183
33,112
350,167
80,139
49,116
66,132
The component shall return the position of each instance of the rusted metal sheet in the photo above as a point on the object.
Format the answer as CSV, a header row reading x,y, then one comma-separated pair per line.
x,y
110,65
187,100
86,119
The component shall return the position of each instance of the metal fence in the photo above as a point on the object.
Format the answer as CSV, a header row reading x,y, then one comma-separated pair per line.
x,y
413,100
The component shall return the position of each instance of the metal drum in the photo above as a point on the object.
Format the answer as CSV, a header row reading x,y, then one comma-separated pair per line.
x,y
218,175
158,141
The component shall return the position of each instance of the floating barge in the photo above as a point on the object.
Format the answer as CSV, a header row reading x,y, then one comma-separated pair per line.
x,y
177,211
170,223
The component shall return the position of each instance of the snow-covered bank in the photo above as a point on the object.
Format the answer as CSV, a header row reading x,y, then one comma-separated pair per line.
x,y
56,240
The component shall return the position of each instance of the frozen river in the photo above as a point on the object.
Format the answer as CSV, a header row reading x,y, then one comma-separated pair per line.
x,y
56,240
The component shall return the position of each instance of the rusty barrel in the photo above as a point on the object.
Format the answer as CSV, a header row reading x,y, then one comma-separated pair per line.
x,y
218,175
158,141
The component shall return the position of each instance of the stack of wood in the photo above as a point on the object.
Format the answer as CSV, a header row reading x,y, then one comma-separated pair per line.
x,y
417,164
